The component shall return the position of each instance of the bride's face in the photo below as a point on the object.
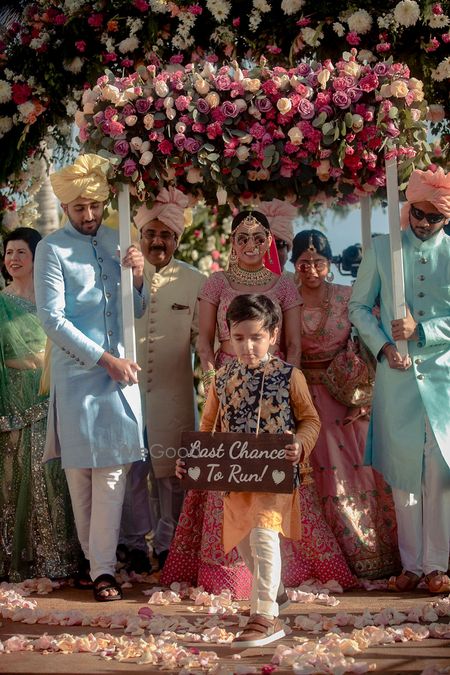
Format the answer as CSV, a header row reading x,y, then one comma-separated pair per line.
x,y
251,242
18,259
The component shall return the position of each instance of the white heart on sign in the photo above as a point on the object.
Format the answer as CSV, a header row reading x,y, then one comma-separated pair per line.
x,y
194,472
278,476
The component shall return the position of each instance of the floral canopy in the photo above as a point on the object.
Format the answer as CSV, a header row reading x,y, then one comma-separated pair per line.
x,y
57,49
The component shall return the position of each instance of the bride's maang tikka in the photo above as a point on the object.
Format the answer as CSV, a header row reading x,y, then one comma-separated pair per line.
x,y
251,221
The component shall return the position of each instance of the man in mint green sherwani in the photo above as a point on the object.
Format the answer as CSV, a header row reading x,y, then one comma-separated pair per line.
x,y
409,433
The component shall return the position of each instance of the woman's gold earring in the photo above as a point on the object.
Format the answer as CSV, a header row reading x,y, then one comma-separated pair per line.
x,y
330,276
233,257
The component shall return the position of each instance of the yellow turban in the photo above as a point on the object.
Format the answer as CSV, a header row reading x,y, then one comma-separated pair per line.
x,y
86,178
427,186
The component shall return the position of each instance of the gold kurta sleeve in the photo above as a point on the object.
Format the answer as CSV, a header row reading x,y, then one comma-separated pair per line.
x,y
210,410
308,422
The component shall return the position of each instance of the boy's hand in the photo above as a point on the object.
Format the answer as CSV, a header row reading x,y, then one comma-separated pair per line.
x,y
294,452
180,471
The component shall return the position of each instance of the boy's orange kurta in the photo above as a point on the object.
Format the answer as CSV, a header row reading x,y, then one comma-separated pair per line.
x,y
286,406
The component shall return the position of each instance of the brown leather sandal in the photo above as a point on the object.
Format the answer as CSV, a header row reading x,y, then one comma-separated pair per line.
x,y
404,582
259,631
438,582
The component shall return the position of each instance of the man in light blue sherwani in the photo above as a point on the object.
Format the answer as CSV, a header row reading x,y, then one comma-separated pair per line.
x,y
95,412
409,433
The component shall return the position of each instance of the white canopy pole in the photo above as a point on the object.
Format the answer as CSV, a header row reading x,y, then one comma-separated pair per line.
x,y
398,280
126,277
366,229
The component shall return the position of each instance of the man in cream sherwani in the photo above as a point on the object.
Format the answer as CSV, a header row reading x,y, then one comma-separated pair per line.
x,y
166,336
409,433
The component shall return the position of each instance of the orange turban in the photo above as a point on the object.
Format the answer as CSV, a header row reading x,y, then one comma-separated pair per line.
x,y
86,177
427,186
168,207
280,215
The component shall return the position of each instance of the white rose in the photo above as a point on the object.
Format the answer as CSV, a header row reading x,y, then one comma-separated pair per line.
x,y
180,127
201,86
284,105
161,88
149,121
194,176
111,93
168,102
242,153
295,136
136,143
213,99
251,84
146,158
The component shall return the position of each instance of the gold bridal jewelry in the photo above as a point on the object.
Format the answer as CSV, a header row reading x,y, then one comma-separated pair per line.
x,y
259,277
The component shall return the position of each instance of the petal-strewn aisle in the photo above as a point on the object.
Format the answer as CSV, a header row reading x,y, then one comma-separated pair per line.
x,y
353,632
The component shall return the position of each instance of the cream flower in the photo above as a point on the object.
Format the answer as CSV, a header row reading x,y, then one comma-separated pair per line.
x,y
73,66
111,93
128,45
339,29
146,158
194,176
219,9
201,86
6,125
251,84
161,88
399,88
360,22
213,99
311,36
149,121
292,6
438,21
5,91
284,105
442,72
323,77
295,136
261,5
407,13
242,153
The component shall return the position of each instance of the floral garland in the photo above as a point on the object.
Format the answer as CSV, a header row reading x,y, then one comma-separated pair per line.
x,y
57,46
316,133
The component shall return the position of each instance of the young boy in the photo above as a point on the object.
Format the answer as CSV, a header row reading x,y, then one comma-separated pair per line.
x,y
259,392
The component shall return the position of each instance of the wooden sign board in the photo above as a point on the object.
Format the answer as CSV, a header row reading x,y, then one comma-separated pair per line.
x,y
236,462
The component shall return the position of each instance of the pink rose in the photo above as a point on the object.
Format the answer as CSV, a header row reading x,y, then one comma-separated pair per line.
x,y
353,39
198,128
141,5
165,147
115,128
306,109
229,109
341,100
143,105
129,167
223,83
368,82
303,69
81,45
203,106
121,148
263,104
179,140
21,93
257,130
182,102
192,145
95,20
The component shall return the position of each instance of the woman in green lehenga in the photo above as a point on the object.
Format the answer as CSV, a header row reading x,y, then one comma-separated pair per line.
x,y
37,532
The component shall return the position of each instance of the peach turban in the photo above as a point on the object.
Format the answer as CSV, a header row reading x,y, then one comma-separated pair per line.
x,y
86,177
280,215
427,186
168,207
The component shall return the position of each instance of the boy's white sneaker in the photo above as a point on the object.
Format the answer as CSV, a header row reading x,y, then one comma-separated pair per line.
x,y
259,631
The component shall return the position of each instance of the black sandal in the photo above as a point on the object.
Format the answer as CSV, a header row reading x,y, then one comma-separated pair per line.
x,y
82,579
111,584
